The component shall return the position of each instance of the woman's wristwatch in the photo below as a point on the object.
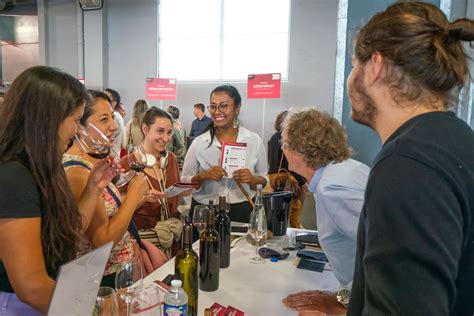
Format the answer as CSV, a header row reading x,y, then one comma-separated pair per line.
x,y
343,296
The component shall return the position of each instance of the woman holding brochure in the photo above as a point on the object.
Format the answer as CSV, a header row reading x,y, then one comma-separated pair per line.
x,y
40,223
203,160
160,214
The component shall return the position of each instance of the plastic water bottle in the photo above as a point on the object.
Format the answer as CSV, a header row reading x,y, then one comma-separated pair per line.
x,y
176,300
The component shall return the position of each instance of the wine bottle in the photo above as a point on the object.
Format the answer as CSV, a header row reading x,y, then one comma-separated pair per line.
x,y
223,228
209,256
186,268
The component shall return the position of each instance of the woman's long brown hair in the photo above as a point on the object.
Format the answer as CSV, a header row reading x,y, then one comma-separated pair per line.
x,y
35,105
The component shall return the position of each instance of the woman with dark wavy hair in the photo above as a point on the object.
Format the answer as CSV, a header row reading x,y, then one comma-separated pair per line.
x,y
40,225
110,219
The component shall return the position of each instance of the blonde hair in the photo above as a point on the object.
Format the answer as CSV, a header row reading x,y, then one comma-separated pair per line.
x,y
317,136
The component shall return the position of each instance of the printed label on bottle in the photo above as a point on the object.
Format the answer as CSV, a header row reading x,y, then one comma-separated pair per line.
x,y
172,310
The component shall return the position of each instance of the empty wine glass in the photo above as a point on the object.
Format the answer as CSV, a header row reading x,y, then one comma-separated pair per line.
x,y
129,281
257,229
106,302
199,217
147,302
98,146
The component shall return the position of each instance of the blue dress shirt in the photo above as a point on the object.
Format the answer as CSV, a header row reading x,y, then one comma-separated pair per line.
x,y
338,190
199,125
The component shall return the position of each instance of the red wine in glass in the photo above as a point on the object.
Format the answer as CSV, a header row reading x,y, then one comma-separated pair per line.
x,y
99,153
137,166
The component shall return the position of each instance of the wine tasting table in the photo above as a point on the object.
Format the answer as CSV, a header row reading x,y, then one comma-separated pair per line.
x,y
257,289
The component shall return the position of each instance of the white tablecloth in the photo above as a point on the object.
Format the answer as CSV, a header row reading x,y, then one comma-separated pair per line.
x,y
257,289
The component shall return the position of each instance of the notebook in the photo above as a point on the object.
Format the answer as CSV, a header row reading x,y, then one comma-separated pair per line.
x,y
78,282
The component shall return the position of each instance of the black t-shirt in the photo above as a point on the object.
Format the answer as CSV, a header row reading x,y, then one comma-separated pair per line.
x,y
415,243
19,198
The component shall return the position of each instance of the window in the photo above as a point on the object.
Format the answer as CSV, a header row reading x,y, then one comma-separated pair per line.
x,y
223,39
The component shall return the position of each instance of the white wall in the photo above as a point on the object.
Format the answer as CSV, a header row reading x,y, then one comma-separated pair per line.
x,y
62,35
130,32
132,58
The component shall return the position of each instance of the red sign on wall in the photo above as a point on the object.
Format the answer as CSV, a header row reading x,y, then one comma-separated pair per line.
x,y
160,89
263,86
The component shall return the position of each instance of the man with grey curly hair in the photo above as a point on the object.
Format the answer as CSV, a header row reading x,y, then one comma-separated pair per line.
x,y
315,145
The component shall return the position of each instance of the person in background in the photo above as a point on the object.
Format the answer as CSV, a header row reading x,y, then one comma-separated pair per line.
x,y
315,145
177,144
40,224
109,221
119,132
277,160
415,243
161,214
202,162
201,122
133,130
122,110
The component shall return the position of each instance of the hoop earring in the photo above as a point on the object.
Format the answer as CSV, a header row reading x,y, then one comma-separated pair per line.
x,y
236,123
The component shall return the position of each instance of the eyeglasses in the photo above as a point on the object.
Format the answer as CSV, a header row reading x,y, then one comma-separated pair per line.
x,y
222,107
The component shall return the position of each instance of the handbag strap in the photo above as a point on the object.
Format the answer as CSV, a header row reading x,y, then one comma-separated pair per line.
x,y
130,139
132,228
247,196
281,160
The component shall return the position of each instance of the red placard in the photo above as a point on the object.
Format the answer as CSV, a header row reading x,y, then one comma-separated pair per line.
x,y
160,89
264,86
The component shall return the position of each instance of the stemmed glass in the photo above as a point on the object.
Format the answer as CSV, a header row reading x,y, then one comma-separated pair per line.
x,y
257,229
98,146
106,302
147,302
129,281
199,217
137,158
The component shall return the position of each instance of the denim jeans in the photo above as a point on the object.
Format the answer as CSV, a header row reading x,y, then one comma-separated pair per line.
x,y
10,305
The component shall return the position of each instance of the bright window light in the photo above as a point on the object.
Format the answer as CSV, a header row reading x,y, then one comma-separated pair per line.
x,y
223,39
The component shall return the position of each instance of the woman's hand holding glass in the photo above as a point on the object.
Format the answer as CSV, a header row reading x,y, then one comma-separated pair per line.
x,y
101,175
138,187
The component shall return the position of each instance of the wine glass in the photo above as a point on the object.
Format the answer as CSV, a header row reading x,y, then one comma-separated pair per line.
x,y
147,302
98,146
199,217
129,281
106,302
137,158
257,229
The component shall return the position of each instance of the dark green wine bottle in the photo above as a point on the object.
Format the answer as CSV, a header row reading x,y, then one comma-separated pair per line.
x,y
223,228
186,268
209,256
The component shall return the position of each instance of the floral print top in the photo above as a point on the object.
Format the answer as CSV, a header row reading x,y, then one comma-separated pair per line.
x,y
122,251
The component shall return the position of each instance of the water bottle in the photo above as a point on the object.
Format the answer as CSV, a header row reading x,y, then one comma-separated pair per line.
x,y
176,300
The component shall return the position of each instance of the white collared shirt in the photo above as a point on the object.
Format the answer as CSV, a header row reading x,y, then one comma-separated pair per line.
x,y
201,157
